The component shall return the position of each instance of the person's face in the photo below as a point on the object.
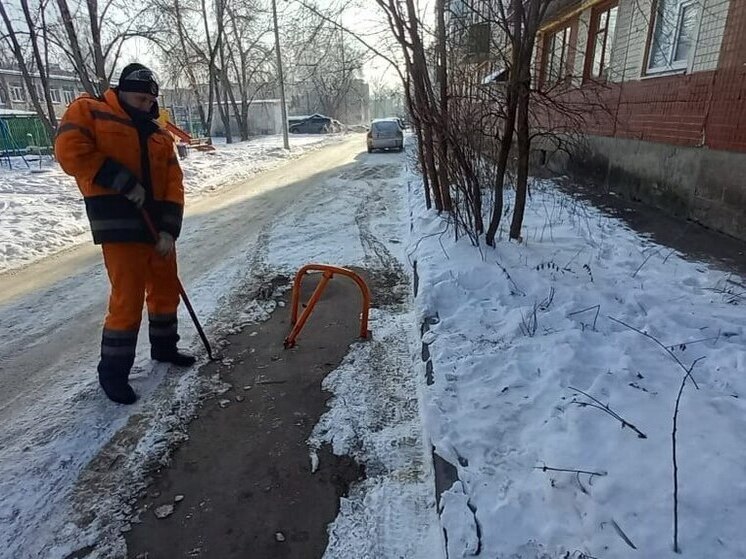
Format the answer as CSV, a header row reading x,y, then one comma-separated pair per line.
x,y
140,101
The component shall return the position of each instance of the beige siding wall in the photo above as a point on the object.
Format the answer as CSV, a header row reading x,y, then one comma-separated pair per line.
x,y
584,23
713,17
628,53
630,42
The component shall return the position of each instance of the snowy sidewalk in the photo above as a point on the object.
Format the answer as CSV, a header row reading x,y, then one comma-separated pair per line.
x,y
42,211
526,346
71,477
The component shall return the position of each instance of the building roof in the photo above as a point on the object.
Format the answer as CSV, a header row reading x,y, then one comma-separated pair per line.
x,y
12,72
12,112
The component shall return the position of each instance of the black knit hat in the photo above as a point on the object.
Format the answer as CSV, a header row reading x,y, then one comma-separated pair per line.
x,y
138,78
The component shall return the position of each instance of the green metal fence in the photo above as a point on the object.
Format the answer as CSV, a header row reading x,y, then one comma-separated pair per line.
x,y
194,129
18,132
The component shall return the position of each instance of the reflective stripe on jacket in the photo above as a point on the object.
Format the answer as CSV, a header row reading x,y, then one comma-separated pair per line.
x,y
100,145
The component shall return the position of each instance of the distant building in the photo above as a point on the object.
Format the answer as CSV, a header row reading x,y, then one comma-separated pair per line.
x,y
64,87
264,114
265,117
352,108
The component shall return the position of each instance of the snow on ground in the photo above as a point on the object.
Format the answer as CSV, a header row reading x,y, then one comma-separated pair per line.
x,y
519,333
70,466
515,334
42,211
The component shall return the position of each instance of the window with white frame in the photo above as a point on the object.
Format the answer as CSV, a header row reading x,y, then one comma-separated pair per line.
x,y
55,95
17,93
674,34
557,50
69,95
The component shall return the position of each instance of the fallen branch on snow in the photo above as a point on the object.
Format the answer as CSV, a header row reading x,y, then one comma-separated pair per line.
x,y
658,342
516,290
595,403
683,345
687,376
590,474
622,535
597,309
675,461
529,323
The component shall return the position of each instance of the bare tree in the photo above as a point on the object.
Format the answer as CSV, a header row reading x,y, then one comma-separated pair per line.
x,y
324,62
42,64
179,51
71,47
247,58
47,116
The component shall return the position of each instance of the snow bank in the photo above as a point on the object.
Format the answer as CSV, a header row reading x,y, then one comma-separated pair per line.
x,y
517,333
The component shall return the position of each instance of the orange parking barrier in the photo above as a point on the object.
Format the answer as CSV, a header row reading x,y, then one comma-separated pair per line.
x,y
328,272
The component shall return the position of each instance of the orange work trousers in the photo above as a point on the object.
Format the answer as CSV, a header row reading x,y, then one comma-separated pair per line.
x,y
137,272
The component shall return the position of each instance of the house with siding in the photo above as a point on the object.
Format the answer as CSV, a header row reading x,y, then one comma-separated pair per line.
x,y
668,79
671,80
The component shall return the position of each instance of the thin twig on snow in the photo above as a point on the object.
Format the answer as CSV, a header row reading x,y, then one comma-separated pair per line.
x,y
606,409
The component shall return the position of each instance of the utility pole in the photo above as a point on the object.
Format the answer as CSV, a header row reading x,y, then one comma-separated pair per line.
x,y
283,106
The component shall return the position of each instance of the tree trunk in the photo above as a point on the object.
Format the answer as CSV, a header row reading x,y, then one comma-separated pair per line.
x,y
523,137
423,96
244,120
18,52
420,141
422,108
524,145
516,74
502,164
42,68
99,65
443,178
241,112
223,112
211,55
76,54
189,71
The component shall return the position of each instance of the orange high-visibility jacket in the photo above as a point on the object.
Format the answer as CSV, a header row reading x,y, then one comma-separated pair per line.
x,y
100,145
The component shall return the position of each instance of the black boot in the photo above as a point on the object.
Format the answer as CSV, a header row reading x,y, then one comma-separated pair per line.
x,y
173,356
117,357
163,338
116,386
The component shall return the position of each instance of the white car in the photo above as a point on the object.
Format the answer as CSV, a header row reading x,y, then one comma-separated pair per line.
x,y
385,133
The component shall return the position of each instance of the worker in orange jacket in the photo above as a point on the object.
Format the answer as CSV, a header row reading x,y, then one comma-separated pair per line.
x,y
123,162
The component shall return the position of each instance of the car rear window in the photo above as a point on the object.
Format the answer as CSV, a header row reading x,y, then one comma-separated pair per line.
x,y
386,126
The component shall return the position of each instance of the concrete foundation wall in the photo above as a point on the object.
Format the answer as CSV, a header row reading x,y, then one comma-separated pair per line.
x,y
706,186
